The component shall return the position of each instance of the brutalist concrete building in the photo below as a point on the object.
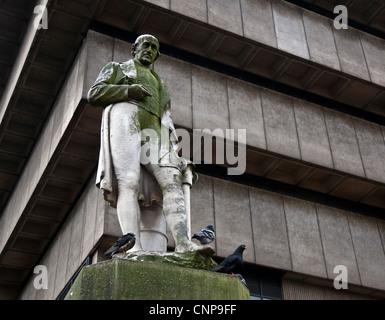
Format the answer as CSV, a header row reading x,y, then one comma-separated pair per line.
x,y
309,92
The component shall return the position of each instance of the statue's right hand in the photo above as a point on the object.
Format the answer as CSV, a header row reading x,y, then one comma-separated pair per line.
x,y
138,92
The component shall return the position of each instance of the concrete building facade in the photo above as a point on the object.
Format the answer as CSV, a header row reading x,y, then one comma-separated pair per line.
x,y
309,95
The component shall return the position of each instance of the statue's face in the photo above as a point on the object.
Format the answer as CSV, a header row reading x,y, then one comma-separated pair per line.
x,y
146,51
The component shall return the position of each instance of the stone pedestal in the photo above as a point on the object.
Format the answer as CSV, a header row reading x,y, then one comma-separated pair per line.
x,y
122,279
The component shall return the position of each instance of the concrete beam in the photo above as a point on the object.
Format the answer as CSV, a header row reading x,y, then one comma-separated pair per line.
x,y
24,50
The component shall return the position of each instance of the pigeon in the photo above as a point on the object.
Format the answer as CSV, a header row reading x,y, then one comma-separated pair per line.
x,y
206,235
232,262
240,278
123,244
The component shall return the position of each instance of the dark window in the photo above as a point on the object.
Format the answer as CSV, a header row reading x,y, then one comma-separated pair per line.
x,y
263,283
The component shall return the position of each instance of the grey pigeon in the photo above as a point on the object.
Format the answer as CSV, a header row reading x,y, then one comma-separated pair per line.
x,y
123,244
240,277
232,262
206,235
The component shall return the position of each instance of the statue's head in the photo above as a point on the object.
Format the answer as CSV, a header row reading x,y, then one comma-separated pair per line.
x,y
145,49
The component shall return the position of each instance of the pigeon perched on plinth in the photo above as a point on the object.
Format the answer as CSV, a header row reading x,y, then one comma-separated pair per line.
x,y
123,244
240,277
232,262
206,235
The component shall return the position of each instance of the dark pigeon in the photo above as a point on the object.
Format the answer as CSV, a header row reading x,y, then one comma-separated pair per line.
x,y
232,262
206,235
240,277
123,244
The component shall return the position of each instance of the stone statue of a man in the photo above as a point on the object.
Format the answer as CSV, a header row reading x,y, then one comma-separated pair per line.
x,y
136,101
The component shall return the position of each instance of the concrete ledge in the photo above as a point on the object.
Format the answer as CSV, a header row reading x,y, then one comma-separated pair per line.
x,y
119,279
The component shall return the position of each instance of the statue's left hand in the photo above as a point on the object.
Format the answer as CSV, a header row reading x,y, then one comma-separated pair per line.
x,y
189,175
138,92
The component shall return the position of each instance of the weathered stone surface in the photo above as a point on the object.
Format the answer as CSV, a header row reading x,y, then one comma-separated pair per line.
x,y
160,3
195,259
209,99
320,40
372,149
263,31
246,111
119,279
304,237
196,9
350,52
270,237
202,205
232,219
312,133
122,50
289,29
374,49
337,242
343,143
225,14
368,250
280,127
99,51
177,75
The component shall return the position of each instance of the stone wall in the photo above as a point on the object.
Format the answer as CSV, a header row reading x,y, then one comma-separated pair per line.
x,y
293,30
275,122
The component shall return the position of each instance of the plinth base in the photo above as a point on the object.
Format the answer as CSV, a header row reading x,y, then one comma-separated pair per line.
x,y
120,279
196,259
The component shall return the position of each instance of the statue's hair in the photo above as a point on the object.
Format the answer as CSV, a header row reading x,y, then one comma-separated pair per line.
x,y
140,39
